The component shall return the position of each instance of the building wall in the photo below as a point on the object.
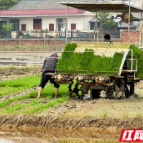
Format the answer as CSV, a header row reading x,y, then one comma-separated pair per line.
x,y
82,22
78,20
28,22
133,38
48,20
86,22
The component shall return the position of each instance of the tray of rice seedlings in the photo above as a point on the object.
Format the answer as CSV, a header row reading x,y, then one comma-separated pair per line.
x,y
138,54
63,62
104,67
88,62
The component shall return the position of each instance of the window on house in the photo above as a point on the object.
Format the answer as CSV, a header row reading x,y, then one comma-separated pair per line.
x,y
92,25
23,27
73,26
15,23
51,27
132,23
61,23
37,23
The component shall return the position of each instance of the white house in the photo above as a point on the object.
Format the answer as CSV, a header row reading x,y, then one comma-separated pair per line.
x,y
45,14
51,19
29,15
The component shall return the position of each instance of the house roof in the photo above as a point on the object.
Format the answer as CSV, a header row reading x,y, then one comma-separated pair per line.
x,y
40,4
42,12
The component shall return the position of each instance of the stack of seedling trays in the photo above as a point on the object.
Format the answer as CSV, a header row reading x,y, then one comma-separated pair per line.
x,y
90,58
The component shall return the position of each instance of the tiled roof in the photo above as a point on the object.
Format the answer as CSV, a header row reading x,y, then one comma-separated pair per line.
x,y
40,12
43,4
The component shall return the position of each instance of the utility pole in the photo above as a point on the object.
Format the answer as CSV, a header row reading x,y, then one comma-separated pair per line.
x,y
129,22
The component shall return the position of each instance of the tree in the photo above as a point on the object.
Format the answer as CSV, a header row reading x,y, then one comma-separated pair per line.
x,y
105,20
5,4
7,28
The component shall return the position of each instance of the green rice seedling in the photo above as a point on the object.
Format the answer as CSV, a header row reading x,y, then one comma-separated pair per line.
x,y
20,106
64,60
74,61
25,81
95,63
116,61
106,62
87,62
70,47
8,101
45,106
6,90
19,84
48,92
86,58
137,54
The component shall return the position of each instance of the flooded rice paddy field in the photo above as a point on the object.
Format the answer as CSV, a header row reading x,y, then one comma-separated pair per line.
x,y
72,121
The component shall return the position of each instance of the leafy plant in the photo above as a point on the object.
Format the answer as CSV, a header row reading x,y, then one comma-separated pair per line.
x,y
19,34
5,4
106,22
46,30
17,47
37,30
7,28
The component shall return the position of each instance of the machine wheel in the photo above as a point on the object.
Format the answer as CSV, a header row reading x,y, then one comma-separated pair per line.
x,y
127,93
109,92
94,93
132,89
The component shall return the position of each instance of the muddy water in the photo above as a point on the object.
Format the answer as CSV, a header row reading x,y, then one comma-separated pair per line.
x,y
43,135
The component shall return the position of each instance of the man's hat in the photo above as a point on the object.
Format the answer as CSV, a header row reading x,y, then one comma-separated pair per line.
x,y
54,54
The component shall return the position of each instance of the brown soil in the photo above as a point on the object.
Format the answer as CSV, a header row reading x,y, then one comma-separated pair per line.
x,y
17,94
16,72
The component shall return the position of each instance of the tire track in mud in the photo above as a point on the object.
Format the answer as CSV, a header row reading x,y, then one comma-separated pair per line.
x,y
12,95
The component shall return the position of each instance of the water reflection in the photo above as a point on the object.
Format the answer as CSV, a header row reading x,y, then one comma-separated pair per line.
x,y
43,135
22,140
5,141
